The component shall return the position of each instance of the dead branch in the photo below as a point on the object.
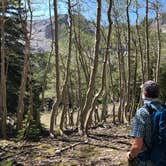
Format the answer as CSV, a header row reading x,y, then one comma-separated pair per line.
x,y
58,151
12,155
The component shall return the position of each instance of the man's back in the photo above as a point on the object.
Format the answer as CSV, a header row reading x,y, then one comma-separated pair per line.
x,y
142,128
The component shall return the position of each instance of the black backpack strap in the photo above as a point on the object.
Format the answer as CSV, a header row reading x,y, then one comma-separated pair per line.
x,y
149,108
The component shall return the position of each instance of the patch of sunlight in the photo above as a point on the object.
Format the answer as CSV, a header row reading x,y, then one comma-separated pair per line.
x,y
71,163
45,119
5,142
115,152
86,152
50,151
43,145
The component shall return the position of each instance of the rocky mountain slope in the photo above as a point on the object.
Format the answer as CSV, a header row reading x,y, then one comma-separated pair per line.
x,y
42,36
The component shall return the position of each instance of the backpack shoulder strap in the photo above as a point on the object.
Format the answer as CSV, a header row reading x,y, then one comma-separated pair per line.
x,y
149,108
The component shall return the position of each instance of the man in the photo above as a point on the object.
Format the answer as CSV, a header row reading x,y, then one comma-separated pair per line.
x,y
141,132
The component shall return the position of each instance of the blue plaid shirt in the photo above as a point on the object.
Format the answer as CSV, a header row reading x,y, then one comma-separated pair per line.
x,y
141,128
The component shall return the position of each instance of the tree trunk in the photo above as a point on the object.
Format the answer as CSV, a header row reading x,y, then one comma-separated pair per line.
x,y
91,87
129,59
104,107
65,87
23,86
49,59
122,72
80,100
104,69
79,47
3,106
24,75
158,42
58,97
112,98
147,41
139,42
135,81
72,102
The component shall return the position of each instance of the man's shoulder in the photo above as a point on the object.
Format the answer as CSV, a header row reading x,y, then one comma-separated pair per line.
x,y
142,112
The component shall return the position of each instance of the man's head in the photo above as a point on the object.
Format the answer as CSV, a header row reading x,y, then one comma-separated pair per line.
x,y
150,89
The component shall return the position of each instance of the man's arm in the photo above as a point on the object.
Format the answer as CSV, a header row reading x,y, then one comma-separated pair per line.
x,y
138,132
136,147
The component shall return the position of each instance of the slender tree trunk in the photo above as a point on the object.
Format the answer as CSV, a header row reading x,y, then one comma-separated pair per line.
x,y
91,87
122,72
71,100
80,101
23,86
142,57
104,69
112,99
129,58
3,105
123,84
104,106
49,59
124,88
30,72
31,113
135,81
58,97
158,42
24,75
140,45
78,46
1,110
147,40
65,87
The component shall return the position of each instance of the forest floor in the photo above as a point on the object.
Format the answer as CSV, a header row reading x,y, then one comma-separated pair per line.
x,y
106,145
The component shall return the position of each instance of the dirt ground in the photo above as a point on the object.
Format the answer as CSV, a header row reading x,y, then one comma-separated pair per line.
x,y
106,146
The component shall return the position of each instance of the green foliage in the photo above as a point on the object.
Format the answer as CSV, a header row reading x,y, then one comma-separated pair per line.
x,y
86,30
34,133
14,54
39,63
162,83
30,130
6,163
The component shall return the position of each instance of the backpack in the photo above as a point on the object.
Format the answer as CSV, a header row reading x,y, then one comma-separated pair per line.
x,y
157,151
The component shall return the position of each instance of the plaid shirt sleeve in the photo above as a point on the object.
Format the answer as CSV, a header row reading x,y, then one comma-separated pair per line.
x,y
139,124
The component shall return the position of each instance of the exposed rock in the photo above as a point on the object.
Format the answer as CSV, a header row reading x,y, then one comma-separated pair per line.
x,y
42,35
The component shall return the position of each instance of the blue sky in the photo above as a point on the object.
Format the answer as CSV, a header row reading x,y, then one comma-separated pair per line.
x,y
40,9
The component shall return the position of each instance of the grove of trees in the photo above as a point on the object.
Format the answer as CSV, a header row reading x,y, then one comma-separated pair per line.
x,y
94,67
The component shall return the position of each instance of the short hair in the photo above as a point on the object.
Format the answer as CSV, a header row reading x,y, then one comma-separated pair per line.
x,y
151,88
